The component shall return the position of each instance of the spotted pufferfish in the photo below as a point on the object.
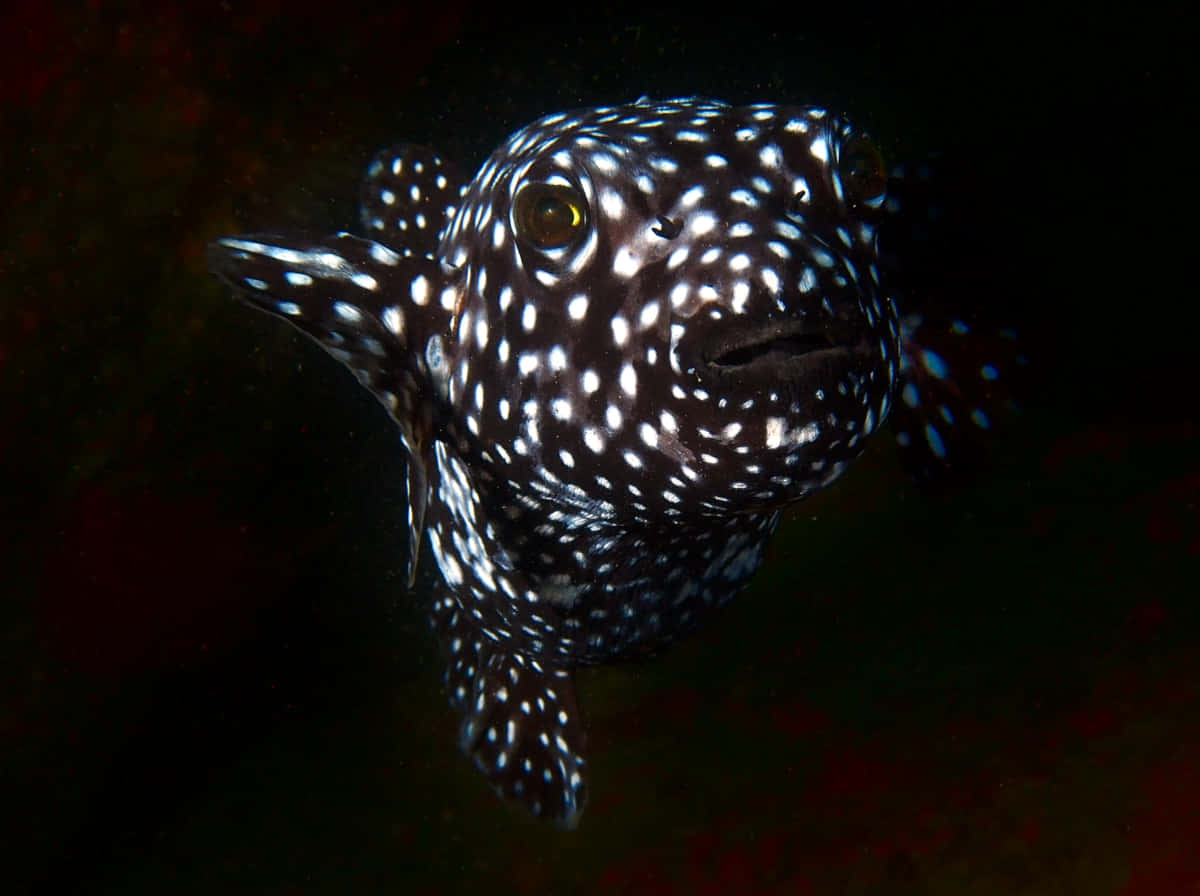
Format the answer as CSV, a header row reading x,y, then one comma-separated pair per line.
x,y
614,357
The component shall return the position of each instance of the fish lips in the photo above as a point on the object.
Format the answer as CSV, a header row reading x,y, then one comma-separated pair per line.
x,y
777,353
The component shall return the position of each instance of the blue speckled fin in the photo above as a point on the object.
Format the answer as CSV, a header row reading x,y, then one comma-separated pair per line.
x,y
960,372
956,383
520,719
358,300
409,195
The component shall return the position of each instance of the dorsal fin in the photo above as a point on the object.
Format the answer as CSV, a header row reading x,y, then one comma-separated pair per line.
x,y
409,195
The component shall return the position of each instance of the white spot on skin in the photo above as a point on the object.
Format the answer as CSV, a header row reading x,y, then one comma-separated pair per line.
x,y
775,430
628,380
577,307
420,290
741,295
590,381
347,312
384,255
823,258
612,204
625,262
593,439
620,329
604,162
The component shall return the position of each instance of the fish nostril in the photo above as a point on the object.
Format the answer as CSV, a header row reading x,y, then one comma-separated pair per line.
x,y
667,228
797,203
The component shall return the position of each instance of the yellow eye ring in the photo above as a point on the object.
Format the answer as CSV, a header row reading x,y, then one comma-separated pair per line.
x,y
550,216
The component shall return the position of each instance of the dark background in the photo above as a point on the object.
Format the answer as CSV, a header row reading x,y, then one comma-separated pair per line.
x,y
212,676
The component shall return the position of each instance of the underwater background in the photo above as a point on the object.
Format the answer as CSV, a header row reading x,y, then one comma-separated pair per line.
x,y
212,677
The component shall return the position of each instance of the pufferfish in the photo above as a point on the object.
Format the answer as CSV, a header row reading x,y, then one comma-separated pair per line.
x,y
613,357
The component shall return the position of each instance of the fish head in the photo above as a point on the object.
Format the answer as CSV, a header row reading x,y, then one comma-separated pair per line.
x,y
683,295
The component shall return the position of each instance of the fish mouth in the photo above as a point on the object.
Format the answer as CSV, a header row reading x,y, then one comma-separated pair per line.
x,y
784,350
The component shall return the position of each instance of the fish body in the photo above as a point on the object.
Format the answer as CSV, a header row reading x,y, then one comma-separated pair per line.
x,y
613,357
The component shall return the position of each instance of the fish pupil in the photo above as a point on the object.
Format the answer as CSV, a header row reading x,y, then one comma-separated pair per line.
x,y
554,218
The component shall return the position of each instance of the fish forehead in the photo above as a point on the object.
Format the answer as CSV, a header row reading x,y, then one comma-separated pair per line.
x,y
648,159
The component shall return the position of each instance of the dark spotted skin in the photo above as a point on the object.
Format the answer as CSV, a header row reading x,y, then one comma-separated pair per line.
x,y
613,357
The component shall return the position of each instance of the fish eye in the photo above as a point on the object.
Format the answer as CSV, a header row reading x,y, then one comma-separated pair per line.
x,y
550,216
862,169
